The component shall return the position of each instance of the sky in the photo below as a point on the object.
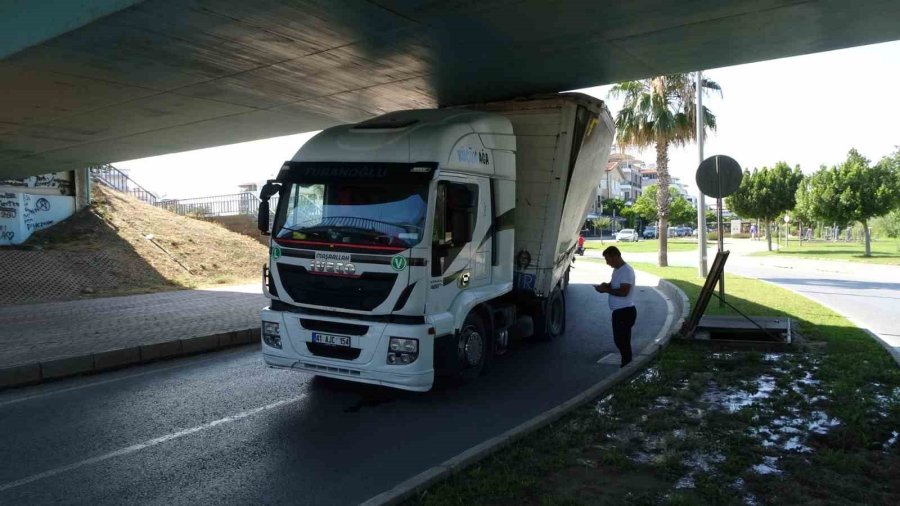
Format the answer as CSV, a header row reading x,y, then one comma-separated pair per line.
x,y
807,110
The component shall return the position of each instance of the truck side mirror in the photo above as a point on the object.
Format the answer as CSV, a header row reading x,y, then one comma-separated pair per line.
x,y
262,217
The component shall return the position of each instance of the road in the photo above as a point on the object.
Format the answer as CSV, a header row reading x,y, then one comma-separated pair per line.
x,y
223,429
868,294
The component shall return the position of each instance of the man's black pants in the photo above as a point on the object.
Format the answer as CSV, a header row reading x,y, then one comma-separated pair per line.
x,y
622,321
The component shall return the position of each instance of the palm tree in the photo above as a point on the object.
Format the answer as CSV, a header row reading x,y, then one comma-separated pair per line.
x,y
661,111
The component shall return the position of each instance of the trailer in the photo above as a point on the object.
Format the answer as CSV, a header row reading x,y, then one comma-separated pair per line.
x,y
419,243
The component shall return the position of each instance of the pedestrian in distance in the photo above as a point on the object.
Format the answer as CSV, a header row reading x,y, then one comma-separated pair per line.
x,y
621,300
753,232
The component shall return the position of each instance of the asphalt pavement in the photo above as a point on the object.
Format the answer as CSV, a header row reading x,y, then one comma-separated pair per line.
x,y
223,428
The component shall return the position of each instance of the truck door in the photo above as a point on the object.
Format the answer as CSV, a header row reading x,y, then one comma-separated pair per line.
x,y
461,222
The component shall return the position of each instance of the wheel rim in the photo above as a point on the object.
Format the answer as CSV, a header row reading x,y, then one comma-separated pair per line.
x,y
471,347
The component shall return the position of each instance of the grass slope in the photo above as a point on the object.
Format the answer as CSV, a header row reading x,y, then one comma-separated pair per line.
x,y
150,249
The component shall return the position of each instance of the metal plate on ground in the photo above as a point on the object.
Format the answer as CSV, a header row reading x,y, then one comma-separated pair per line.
x,y
765,331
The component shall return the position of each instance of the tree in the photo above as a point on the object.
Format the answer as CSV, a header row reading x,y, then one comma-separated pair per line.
x,y
660,112
803,212
680,210
610,205
766,194
854,191
615,208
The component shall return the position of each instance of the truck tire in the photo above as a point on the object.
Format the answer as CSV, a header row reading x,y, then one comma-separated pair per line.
x,y
552,322
473,348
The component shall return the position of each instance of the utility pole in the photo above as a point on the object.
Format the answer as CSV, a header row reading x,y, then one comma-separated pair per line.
x,y
701,202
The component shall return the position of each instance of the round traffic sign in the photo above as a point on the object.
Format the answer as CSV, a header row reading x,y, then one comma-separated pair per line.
x,y
719,176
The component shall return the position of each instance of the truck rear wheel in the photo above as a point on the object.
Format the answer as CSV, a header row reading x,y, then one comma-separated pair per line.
x,y
472,348
552,322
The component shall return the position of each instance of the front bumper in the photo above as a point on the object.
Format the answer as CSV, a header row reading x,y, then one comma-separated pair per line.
x,y
370,366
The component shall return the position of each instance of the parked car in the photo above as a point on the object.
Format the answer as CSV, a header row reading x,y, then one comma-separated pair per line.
x,y
626,234
650,232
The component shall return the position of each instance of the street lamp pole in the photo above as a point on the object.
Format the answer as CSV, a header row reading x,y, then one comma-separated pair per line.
x,y
701,202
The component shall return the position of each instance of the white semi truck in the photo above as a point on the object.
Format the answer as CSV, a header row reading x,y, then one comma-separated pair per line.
x,y
418,243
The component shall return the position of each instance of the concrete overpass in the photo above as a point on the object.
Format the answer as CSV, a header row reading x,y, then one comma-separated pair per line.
x,y
104,80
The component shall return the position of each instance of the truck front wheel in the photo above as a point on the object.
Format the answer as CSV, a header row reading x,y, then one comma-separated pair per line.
x,y
472,348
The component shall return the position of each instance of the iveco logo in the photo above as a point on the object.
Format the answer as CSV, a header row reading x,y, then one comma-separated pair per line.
x,y
331,267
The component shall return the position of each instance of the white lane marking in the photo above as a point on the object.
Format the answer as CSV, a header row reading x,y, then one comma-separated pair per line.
x,y
125,377
146,444
609,359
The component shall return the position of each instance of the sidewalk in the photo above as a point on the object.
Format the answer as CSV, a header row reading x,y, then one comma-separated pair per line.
x,y
59,339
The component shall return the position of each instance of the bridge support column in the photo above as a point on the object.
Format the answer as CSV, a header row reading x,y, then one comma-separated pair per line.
x,y
82,188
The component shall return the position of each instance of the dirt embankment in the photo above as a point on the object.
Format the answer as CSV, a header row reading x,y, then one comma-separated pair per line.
x,y
123,246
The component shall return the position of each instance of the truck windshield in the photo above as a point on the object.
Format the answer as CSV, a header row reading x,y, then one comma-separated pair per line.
x,y
388,216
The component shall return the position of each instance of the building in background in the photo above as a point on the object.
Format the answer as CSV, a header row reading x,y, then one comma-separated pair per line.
x,y
650,177
622,180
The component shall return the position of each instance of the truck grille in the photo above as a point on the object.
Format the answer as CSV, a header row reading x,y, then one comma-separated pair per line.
x,y
364,293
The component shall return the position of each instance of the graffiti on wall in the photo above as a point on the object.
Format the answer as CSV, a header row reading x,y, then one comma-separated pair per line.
x,y
59,181
23,213
36,212
9,205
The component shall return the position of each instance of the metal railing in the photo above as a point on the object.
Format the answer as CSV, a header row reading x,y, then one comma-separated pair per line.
x,y
246,204
118,180
236,204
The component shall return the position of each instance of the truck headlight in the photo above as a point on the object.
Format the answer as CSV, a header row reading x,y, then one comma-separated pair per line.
x,y
402,351
271,334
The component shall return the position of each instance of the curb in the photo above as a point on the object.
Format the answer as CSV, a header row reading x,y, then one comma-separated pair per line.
x,y
38,372
678,306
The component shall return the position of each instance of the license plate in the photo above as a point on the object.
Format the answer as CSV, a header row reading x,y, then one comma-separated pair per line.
x,y
331,339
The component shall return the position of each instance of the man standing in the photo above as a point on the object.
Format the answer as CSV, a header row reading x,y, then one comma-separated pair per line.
x,y
621,300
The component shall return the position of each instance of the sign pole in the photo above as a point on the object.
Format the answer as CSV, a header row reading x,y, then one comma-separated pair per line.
x,y
719,176
720,232
701,202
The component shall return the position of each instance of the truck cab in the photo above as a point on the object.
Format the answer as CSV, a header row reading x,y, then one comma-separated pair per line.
x,y
391,246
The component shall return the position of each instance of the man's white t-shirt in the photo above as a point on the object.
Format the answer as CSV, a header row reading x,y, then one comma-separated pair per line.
x,y
624,274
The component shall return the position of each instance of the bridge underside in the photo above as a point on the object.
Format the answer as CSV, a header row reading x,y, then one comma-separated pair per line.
x,y
111,80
